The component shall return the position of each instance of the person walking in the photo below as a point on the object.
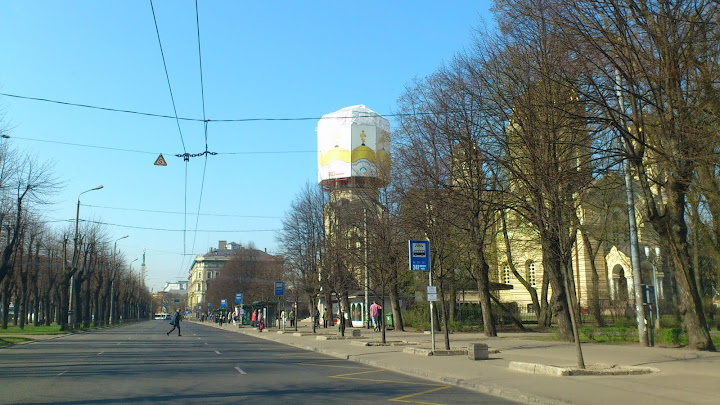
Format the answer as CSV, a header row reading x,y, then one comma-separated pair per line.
x,y
375,315
175,322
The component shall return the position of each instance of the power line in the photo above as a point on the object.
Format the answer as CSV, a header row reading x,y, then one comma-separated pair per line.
x,y
178,212
167,76
166,229
83,145
226,120
98,107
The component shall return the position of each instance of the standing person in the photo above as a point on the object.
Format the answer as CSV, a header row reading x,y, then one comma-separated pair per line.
x,y
292,317
317,318
253,318
261,324
175,322
375,315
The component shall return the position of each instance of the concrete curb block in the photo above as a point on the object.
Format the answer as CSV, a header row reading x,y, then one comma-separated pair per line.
x,y
599,369
421,351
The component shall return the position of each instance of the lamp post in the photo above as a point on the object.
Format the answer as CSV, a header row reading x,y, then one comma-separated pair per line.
x,y
71,313
655,283
112,282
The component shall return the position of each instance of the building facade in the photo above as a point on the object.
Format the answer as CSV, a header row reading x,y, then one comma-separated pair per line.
x,y
205,268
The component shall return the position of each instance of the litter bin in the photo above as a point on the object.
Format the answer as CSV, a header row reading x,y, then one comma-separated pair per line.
x,y
389,320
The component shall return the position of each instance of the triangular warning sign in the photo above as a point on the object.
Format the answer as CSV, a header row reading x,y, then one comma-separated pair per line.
x,y
160,161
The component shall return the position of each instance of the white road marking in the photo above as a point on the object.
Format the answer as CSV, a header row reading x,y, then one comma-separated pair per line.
x,y
206,344
63,373
217,352
100,353
240,370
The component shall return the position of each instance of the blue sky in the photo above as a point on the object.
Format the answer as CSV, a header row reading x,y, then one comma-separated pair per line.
x,y
259,60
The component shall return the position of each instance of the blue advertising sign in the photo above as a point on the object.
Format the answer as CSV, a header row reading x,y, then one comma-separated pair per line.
x,y
419,251
238,298
279,288
223,303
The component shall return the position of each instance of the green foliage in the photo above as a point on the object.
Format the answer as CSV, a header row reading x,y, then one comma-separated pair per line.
x,y
34,330
5,341
671,336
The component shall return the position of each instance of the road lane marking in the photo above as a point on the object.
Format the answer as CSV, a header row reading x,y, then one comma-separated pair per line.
x,y
240,370
404,397
62,373
206,343
100,353
217,352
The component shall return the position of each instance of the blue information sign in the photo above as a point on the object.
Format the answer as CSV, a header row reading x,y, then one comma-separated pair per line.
x,y
238,298
279,288
223,303
177,299
419,251
209,305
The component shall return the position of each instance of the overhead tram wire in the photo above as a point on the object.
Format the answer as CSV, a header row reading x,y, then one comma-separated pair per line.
x,y
205,128
167,76
172,98
83,145
219,120
179,213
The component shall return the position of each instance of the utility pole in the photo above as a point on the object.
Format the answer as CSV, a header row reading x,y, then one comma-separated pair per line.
x,y
632,224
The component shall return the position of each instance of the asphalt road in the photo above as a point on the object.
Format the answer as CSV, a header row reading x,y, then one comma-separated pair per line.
x,y
140,363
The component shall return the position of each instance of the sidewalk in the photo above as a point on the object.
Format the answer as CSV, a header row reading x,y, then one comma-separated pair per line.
x,y
682,376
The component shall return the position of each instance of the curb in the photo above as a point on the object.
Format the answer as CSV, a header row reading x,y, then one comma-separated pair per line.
x,y
599,369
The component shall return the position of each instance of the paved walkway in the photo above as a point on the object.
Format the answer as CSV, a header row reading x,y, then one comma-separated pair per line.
x,y
682,377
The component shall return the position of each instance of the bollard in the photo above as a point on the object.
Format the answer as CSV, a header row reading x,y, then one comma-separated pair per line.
x,y
478,351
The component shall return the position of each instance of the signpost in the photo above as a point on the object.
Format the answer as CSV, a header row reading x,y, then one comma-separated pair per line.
x,y
238,298
223,303
280,291
419,255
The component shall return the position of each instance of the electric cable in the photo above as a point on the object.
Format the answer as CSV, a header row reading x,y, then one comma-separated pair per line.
x,y
178,212
167,76
83,145
227,120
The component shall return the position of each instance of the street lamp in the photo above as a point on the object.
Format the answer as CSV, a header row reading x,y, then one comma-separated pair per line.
x,y
75,253
112,282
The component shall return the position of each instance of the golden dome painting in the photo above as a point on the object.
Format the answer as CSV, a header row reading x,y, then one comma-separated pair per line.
x,y
352,142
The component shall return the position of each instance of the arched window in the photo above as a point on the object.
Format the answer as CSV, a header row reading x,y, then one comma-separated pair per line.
x,y
530,267
506,274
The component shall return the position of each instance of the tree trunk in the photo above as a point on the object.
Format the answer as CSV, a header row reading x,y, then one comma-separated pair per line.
x,y
483,282
396,310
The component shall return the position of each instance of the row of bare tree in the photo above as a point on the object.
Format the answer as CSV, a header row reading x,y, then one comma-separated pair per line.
x,y
38,264
518,132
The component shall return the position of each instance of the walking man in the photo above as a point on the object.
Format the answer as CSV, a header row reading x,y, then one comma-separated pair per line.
x,y
175,322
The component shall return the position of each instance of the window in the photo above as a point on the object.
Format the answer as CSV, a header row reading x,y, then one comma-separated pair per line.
x,y
531,273
209,274
506,274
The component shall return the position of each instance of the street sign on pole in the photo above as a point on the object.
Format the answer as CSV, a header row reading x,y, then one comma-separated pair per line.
x,y
432,293
279,288
209,305
223,303
419,251
238,298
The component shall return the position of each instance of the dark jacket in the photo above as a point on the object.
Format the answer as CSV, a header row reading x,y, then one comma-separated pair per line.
x,y
176,319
